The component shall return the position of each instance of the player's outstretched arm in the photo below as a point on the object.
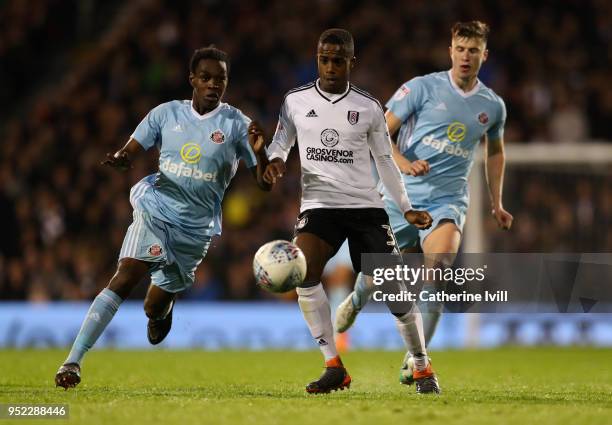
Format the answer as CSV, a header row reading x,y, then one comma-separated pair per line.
x,y
380,146
495,161
390,176
420,167
282,142
413,168
123,158
258,145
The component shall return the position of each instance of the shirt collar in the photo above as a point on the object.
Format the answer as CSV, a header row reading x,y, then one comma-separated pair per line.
x,y
206,115
461,92
333,96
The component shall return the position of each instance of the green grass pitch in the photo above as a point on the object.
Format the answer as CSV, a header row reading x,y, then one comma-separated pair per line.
x,y
509,386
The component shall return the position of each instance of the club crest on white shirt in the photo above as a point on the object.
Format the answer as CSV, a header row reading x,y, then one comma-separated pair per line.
x,y
353,117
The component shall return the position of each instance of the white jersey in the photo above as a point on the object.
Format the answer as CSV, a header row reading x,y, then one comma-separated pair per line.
x,y
335,134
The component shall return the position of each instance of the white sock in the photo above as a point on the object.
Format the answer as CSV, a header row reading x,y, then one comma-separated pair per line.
x,y
317,314
410,327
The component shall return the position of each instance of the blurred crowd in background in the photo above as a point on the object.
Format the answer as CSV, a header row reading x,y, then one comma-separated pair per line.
x,y
78,76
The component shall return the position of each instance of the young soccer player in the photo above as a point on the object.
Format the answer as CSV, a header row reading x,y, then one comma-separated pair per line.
x,y
441,118
178,209
338,126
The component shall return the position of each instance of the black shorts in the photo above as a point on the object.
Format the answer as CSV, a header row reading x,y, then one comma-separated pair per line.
x,y
367,230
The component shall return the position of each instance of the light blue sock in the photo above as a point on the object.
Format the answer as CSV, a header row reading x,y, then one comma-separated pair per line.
x,y
98,317
362,292
431,311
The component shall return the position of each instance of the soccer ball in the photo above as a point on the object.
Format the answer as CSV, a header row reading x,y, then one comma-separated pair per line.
x,y
279,266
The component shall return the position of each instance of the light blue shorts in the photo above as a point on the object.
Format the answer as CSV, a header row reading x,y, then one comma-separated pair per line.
x,y
173,254
409,236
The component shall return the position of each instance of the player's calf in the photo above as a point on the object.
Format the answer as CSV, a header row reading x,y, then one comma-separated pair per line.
x,y
158,307
347,311
158,329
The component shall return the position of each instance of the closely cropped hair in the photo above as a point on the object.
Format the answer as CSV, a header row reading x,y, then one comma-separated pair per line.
x,y
339,36
472,29
210,52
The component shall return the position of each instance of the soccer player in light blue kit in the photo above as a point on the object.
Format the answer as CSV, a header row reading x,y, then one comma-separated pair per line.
x,y
441,118
177,210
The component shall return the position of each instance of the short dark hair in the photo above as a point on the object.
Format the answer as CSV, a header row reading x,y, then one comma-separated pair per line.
x,y
339,36
210,52
472,29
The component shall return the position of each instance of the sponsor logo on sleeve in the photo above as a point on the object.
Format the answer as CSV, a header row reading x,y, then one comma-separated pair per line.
x,y
401,93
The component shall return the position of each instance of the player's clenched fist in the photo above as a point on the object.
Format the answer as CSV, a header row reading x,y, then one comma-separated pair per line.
x,y
418,168
256,138
415,168
421,219
275,169
504,218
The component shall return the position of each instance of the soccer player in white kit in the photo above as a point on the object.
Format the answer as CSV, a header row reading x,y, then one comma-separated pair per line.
x,y
338,127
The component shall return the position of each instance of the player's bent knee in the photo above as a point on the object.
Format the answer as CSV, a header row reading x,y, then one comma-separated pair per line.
x,y
122,286
129,273
157,302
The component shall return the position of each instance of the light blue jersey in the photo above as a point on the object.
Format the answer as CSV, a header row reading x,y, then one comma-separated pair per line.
x,y
178,209
442,125
199,155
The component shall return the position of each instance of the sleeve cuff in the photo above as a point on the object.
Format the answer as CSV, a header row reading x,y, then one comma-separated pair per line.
x,y
275,153
405,205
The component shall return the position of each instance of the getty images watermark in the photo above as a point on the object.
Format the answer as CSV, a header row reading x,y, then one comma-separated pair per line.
x,y
421,275
490,283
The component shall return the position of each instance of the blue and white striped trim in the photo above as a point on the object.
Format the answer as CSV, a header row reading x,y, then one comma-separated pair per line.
x,y
132,239
366,94
110,299
137,192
